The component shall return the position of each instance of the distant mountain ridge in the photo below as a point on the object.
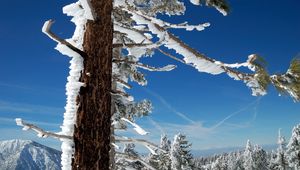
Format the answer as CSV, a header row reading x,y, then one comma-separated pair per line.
x,y
28,155
213,151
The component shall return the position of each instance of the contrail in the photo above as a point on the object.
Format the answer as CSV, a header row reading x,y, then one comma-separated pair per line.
x,y
166,104
182,115
239,111
156,125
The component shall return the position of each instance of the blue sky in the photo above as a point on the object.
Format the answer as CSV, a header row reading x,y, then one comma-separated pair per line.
x,y
33,74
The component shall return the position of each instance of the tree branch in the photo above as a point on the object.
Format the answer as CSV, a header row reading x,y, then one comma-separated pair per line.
x,y
118,92
39,131
122,82
47,30
134,158
139,141
144,66
171,56
131,45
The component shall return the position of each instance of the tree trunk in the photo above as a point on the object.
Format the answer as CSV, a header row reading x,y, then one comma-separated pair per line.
x,y
93,126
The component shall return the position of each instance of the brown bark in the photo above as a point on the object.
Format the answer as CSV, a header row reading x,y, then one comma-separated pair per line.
x,y
93,126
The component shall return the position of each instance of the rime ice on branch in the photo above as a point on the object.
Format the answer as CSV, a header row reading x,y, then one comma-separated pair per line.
x,y
144,28
72,48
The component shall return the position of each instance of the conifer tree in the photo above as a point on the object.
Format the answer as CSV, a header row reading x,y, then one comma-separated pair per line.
x,y
248,157
181,158
221,163
279,160
259,158
293,148
161,160
235,161
217,164
164,161
129,150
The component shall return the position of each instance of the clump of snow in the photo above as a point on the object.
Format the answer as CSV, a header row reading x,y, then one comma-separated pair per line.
x,y
115,145
195,2
254,85
251,58
72,88
80,16
88,13
19,122
137,128
222,11
132,34
150,149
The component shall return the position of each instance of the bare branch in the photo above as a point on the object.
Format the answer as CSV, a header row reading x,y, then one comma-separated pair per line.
x,y
39,131
47,30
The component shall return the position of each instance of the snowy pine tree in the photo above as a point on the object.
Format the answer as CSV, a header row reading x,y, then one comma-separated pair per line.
x,y
181,158
279,159
164,162
259,158
293,149
161,160
248,157
221,163
217,164
129,152
235,161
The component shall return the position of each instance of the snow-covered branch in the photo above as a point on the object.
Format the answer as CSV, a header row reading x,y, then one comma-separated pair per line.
x,y
124,83
133,158
140,141
147,67
40,132
119,93
47,30
132,33
137,128
255,81
171,56
132,45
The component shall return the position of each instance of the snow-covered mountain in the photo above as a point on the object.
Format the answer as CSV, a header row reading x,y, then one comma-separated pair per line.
x,y
29,155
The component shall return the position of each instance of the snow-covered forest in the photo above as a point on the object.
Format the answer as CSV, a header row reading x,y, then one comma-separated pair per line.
x,y
176,155
108,43
254,157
